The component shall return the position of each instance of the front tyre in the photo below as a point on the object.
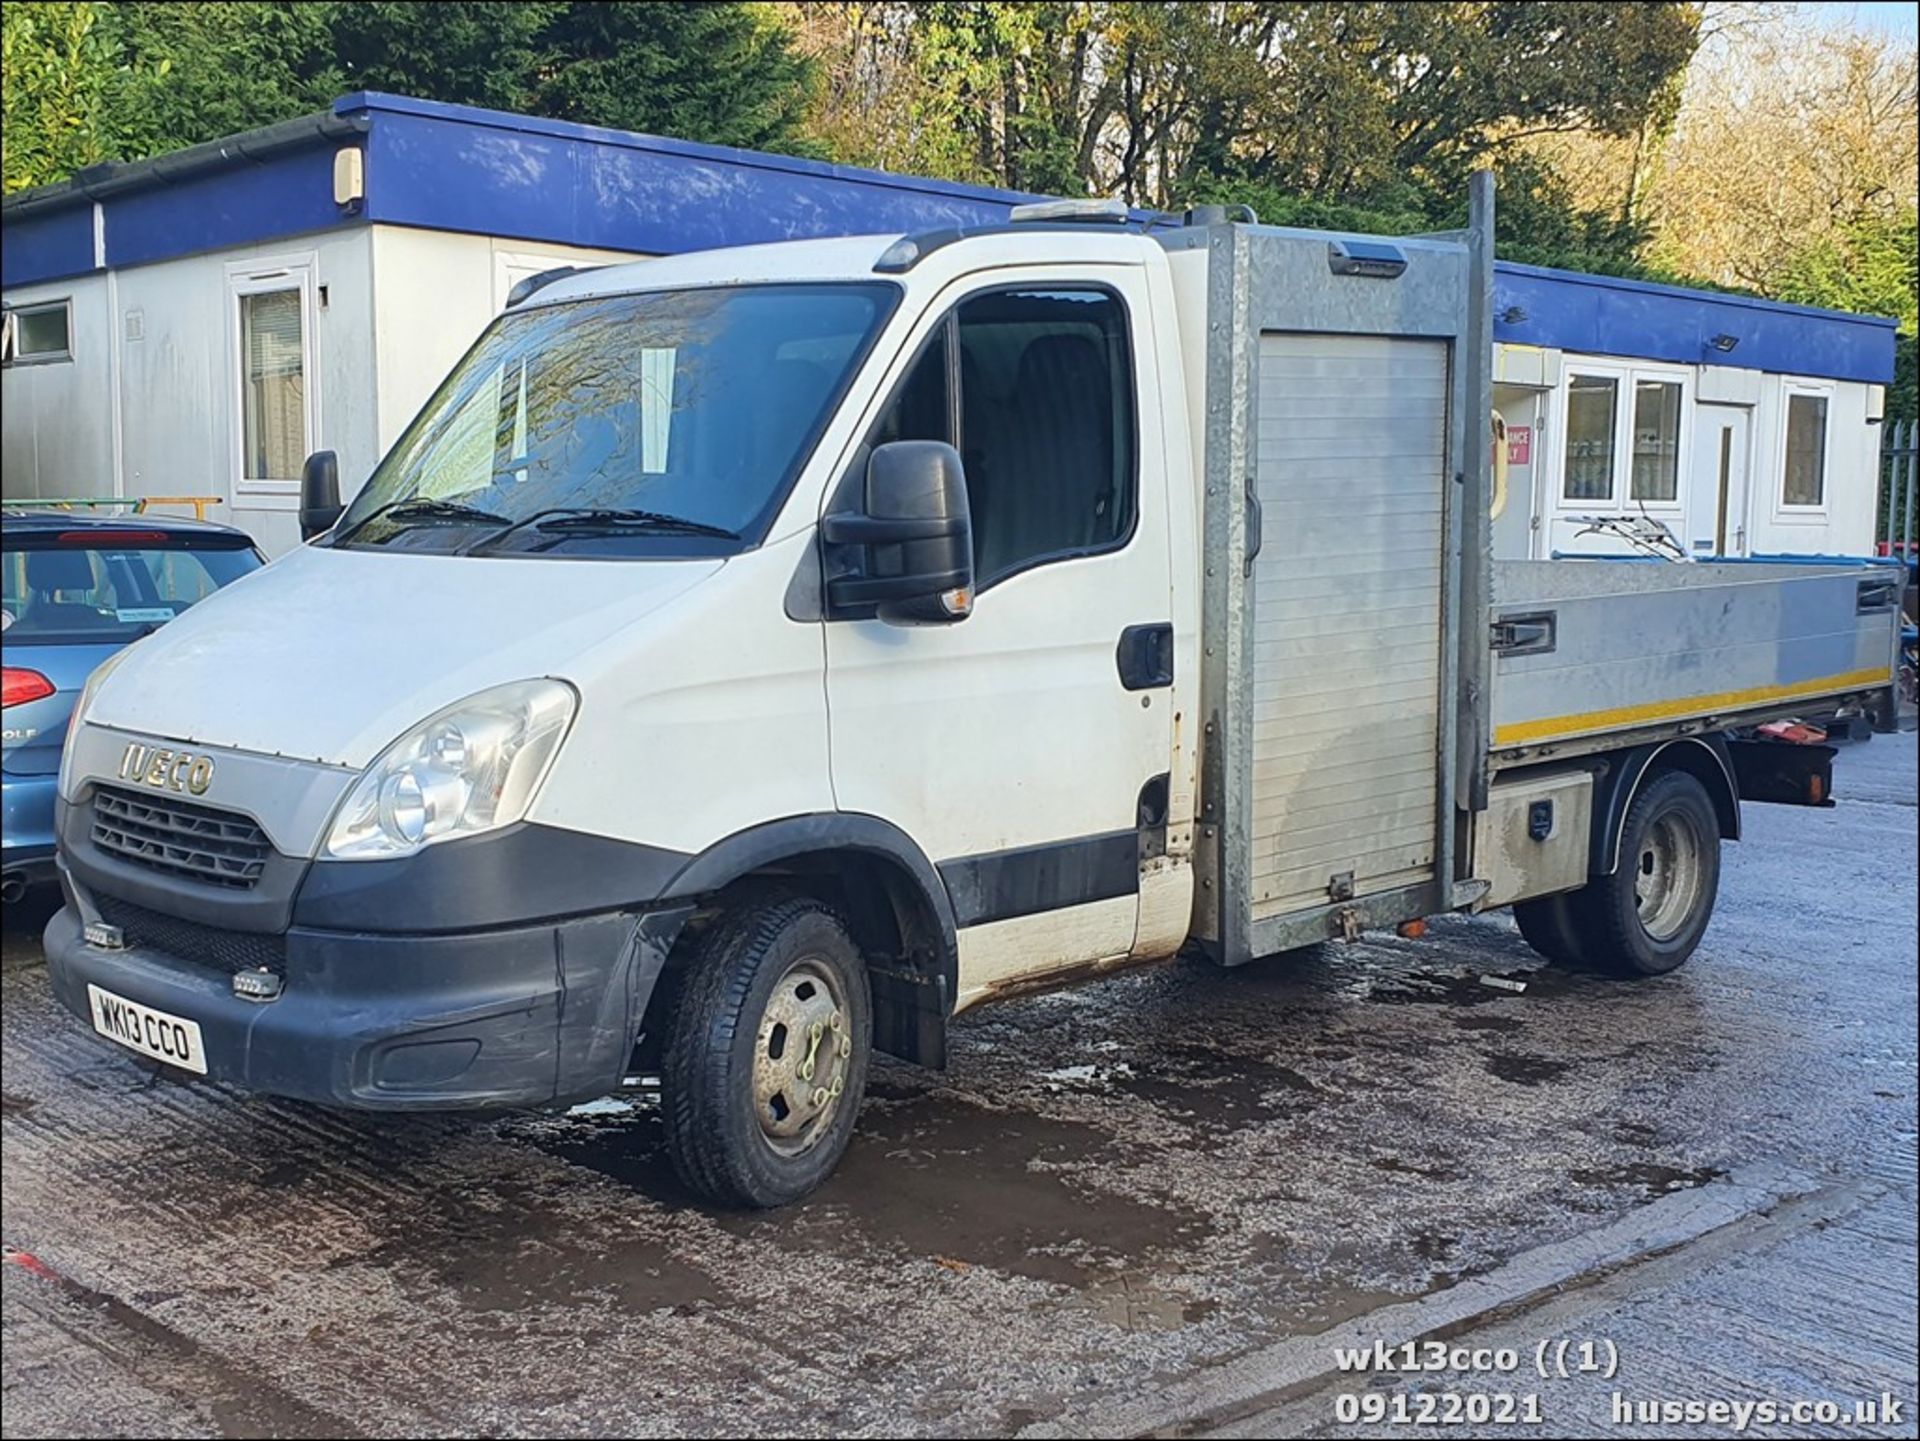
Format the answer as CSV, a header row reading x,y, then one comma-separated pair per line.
x,y
767,1053
1648,916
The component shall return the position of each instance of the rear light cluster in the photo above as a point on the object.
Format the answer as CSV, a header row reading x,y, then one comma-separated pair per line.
x,y
19,685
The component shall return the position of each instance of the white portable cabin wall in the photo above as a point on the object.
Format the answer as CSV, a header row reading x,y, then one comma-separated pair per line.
x,y
1736,362
1741,413
57,435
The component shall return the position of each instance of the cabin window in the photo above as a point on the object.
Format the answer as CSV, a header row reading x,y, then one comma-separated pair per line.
x,y
1656,440
1592,404
273,386
275,403
39,334
1805,482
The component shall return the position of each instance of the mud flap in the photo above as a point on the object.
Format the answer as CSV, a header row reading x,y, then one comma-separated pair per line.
x,y
910,1016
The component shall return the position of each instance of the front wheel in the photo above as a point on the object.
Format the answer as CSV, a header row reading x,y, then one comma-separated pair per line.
x,y
1648,916
767,1053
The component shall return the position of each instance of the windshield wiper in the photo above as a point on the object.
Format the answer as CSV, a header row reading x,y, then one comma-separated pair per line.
x,y
602,520
416,507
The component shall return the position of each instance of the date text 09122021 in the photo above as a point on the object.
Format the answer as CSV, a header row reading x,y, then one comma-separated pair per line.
x,y
1437,1408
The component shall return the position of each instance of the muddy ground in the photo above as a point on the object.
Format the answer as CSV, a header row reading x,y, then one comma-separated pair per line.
x,y
1111,1187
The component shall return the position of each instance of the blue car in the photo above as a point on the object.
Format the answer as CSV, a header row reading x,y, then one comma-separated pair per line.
x,y
73,590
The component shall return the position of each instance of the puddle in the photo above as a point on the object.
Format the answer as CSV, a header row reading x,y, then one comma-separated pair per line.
x,y
505,1248
1134,1304
1305,1299
1215,1093
1523,1070
1426,988
936,1178
1651,1179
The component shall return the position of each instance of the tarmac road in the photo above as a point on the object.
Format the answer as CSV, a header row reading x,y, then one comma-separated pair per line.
x,y
1114,1193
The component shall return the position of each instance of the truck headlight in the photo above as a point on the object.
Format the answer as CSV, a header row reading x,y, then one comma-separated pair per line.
x,y
472,767
78,716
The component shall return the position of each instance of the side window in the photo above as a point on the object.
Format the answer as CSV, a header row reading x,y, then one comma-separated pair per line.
x,y
1046,426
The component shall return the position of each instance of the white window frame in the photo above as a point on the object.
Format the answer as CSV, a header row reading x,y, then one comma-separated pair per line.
x,y
12,357
264,277
1782,508
510,267
1627,375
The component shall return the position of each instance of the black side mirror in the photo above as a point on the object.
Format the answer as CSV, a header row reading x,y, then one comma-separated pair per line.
x,y
319,493
913,541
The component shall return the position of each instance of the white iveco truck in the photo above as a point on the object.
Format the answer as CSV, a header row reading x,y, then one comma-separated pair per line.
x,y
749,659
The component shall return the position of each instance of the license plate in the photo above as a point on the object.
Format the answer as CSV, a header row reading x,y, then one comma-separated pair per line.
x,y
172,1039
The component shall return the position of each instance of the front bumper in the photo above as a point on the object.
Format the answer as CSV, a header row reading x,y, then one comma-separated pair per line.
x,y
534,1015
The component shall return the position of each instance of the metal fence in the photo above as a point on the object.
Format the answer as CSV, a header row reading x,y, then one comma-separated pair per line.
x,y
1897,474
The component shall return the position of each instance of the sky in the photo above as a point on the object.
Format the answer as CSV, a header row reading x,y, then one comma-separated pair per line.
x,y
1894,18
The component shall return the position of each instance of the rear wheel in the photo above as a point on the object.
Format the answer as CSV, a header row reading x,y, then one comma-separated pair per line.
x,y
1554,926
1648,916
767,1053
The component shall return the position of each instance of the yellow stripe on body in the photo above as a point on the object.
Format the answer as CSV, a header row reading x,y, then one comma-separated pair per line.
x,y
1566,727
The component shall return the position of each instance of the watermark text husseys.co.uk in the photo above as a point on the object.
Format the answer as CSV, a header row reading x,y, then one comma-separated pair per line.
x,y
1882,1410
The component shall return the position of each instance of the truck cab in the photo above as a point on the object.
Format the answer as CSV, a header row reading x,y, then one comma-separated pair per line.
x,y
750,659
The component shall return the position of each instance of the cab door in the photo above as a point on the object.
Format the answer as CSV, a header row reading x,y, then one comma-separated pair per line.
x,y
1024,746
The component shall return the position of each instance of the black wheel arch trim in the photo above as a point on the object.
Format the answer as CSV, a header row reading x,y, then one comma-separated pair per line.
x,y
761,846
1706,757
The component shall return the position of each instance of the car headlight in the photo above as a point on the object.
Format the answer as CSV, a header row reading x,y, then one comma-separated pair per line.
x,y
78,716
472,767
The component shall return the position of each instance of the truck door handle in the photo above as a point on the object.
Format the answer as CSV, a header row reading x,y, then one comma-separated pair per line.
x,y
1874,596
1145,656
1524,634
1256,524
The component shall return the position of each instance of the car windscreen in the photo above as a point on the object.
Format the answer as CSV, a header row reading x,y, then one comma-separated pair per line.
x,y
70,592
663,422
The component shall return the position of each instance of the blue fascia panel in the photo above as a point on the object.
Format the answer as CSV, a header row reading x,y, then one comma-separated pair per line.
x,y
1603,315
52,245
484,172
289,194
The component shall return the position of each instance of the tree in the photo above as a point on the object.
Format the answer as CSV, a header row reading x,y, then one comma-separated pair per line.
x,y
62,70
1784,139
726,74
1335,102
465,52
196,72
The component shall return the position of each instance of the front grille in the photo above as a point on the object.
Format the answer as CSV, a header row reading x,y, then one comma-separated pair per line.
x,y
220,847
209,946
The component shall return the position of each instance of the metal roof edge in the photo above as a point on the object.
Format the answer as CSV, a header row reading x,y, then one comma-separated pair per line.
x,y
98,182
1682,292
375,101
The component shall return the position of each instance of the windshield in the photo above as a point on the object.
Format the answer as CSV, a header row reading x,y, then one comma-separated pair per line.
x,y
73,594
689,406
